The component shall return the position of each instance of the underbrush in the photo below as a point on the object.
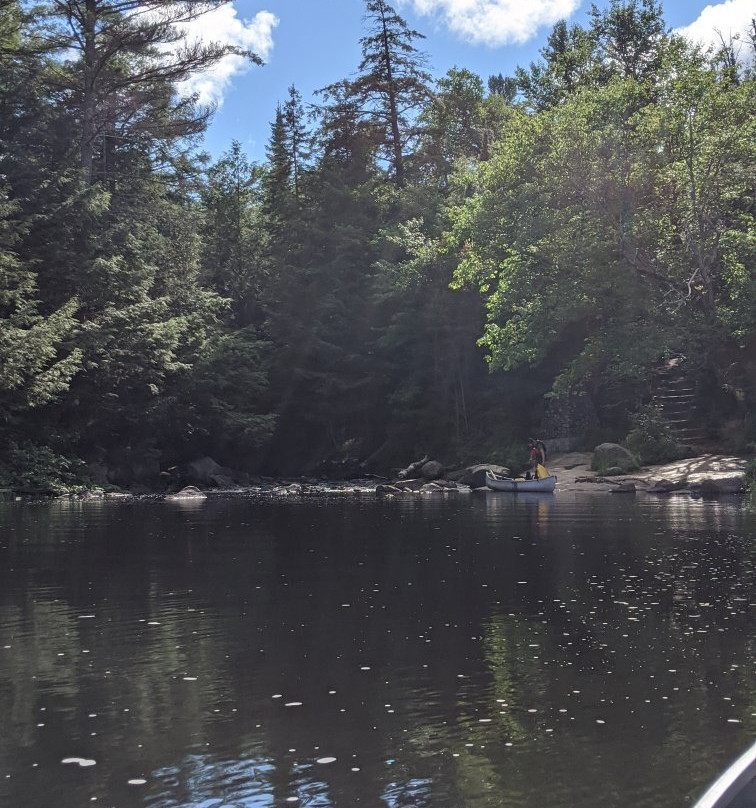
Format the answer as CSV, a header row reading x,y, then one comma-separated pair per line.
x,y
651,439
605,470
30,467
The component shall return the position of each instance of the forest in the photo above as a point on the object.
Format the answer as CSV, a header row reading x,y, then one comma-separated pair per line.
x,y
419,266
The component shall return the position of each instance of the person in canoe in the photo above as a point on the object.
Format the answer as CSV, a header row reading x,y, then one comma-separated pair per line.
x,y
538,458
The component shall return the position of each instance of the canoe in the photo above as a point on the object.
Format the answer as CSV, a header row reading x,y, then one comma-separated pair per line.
x,y
545,485
735,787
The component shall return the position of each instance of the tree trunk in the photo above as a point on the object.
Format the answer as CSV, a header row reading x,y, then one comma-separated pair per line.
x,y
396,142
88,127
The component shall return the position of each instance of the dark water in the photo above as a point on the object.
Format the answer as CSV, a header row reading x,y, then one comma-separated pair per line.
x,y
533,652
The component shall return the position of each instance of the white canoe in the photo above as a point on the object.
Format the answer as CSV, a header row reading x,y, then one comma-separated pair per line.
x,y
544,485
736,787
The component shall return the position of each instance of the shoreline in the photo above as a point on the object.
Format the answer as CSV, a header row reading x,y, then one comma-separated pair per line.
x,y
710,474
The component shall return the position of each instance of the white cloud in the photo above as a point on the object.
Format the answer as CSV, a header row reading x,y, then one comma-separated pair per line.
x,y
223,26
495,22
722,21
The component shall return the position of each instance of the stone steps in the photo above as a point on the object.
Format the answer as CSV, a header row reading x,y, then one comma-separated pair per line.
x,y
675,394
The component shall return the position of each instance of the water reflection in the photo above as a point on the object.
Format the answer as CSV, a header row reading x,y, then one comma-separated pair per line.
x,y
405,653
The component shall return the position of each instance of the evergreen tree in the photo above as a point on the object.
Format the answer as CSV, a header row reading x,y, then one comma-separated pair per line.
x,y
37,358
277,180
391,86
503,86
296,138
566,64
121,85
460,122
347,145
232,232
36,366
625,40
128,245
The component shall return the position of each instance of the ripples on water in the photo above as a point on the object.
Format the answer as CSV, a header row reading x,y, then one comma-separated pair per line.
x,y
500,651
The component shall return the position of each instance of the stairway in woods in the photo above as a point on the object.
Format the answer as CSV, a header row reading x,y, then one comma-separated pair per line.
x,y
675,393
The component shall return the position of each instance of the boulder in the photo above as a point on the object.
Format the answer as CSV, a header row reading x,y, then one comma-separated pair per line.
x,y
129,465
189,492
409,485
222,481
717,483
608,455
432,470
450,484
625,487
475,476
387,490
413,470
665,486
204,470
97,471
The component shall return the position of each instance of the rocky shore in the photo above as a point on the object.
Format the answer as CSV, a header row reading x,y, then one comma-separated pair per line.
x,y
707,474
703,474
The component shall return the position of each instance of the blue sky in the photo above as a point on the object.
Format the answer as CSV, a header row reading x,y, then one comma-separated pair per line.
x,y
311,43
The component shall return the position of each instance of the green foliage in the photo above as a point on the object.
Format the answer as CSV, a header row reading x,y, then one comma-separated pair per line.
x,y
35,367
603,470
391,84
218,408
119,70
514,456
231,232
564,229
30,467
611,228
651,439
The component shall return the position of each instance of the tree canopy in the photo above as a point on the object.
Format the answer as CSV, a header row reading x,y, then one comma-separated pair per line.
x,y
417,266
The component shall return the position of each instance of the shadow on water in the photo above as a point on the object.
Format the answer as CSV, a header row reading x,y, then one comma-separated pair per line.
x,y
528,650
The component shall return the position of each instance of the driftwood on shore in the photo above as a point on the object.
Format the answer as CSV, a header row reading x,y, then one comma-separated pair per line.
x,y
413,470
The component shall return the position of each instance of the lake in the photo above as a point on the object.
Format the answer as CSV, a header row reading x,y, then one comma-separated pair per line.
x,y
566,651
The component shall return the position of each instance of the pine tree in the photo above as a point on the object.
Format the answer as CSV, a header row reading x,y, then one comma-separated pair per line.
x,y
392,85
124,240
122,82
36,366
277,179
296,138
232,232
37,360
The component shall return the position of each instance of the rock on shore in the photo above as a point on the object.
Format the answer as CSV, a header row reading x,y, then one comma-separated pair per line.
x,y
705,474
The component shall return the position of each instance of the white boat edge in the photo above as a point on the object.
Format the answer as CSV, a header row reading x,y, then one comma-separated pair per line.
x,y
730,783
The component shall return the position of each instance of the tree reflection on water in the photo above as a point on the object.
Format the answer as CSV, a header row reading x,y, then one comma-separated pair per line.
x,y
527,651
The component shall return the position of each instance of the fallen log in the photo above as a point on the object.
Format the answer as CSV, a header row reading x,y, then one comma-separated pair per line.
x,y
413,469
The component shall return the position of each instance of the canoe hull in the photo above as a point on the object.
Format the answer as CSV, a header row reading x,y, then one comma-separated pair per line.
x,y
735,787
545,486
